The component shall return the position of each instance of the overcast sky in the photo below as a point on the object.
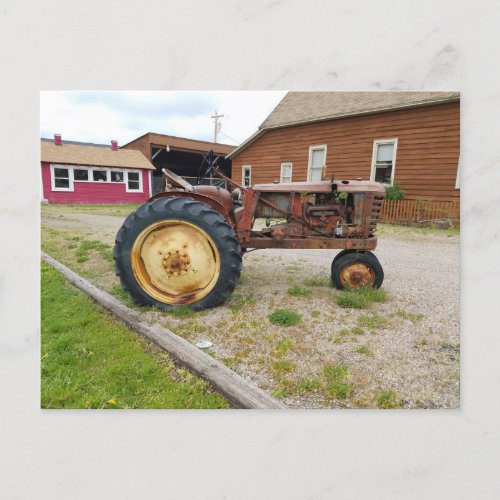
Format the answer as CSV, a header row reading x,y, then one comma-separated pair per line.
x,y
99,116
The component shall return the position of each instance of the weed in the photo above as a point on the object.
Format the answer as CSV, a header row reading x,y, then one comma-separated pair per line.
x,y
309,385
334,373
387,399
181,312
413,317
284,317
357,330
315,313
372,294
344,331
298,291
121,294
317,282
362,349
339,390
283,346
283,366
351,299
82,254
373,321
337,385
338,340
237,301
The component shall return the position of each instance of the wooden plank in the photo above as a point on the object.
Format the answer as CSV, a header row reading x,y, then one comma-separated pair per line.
x,y
239,392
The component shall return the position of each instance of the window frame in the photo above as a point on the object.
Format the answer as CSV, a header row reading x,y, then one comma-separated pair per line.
x,y
75,167
284,164
101,169
128,171
243,167
376,144
309,165
53,167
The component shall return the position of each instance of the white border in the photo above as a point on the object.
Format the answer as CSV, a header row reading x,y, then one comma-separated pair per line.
x,y
53,187
376,144
140,190
286,163
309,164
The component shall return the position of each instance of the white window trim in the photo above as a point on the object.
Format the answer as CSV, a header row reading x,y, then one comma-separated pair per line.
x,y
243,174
284,164
140,190
311,149
53,187
376,143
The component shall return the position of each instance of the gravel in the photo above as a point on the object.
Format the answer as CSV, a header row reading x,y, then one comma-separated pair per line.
x,y
416,354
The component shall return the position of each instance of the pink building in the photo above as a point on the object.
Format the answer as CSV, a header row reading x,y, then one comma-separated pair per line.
x,y
76,172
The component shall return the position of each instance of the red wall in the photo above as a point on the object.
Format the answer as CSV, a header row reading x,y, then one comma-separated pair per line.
x,y
94,192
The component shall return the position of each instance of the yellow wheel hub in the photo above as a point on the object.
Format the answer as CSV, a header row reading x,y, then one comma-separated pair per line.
x,y
356,275
175,262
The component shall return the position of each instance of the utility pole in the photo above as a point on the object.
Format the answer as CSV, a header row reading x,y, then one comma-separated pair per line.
x,y
216,124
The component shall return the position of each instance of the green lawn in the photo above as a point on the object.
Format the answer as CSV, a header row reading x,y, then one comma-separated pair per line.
x,y
90,360
117,209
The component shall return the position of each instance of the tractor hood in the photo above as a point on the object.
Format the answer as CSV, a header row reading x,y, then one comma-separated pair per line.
x,y
347,186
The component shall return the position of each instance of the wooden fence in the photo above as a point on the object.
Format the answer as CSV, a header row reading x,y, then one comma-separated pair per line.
x,y
412,212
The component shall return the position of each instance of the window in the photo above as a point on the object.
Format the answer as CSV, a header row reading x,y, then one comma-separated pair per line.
x,y
317,160
246,176
61,179
80,174
134,181
116,176
99,175
384,160
286,172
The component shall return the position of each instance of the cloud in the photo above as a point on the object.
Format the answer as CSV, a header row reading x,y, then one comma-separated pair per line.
x,y
99,116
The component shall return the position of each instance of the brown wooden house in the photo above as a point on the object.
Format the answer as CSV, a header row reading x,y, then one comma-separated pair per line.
x,y
412,138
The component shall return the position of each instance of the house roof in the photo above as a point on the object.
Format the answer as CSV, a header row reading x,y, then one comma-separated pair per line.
x,y
184,143
95,155
307,107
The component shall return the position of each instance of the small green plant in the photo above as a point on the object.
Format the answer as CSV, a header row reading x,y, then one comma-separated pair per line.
x,y
309,385
337,385
357,330
394,192
342,196
317,282
284,317
182,312
283,346
238,301
351,299
362,349
299,291
344,331
371,321
315,313
372,294
413,317
283,366
387,399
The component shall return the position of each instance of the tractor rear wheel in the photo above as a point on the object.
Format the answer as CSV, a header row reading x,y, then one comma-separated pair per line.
x,y
175,251
354,270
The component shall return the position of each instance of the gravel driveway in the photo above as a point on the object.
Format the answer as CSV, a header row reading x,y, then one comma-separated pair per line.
x,y
413,351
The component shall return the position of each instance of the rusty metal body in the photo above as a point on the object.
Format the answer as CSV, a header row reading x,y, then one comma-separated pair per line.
x,y
309,214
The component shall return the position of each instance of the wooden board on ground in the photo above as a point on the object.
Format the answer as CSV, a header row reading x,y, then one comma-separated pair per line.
x,y
239,392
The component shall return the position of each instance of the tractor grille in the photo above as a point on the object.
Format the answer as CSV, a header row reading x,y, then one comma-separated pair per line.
x,y
375,215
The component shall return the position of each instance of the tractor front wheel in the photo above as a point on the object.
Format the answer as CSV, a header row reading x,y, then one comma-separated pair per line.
x,y
175,251
356,269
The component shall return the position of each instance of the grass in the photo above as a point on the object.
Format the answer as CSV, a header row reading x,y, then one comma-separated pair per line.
x,y
284,317
89,360
402,231
337,384
237,301
82,254
299,291
318,282
283,347
351,300
372,321
283,366
315,313
181,312
116,209
362,349
387,400
413,317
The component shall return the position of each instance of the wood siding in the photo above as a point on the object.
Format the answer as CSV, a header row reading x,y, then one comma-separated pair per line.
x,y
94,192
427,152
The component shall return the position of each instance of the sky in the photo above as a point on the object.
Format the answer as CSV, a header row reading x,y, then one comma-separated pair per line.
x,y
100,116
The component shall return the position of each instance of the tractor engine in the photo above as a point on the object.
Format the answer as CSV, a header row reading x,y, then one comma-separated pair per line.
x,y
331,214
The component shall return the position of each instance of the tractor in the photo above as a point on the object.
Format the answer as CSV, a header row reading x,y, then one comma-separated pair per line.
x,y
184,246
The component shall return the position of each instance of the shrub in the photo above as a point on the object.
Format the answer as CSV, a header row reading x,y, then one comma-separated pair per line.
x,y
394,192
284,317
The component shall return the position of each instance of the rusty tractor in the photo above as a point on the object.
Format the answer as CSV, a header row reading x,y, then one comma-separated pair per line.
x,y
185,245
